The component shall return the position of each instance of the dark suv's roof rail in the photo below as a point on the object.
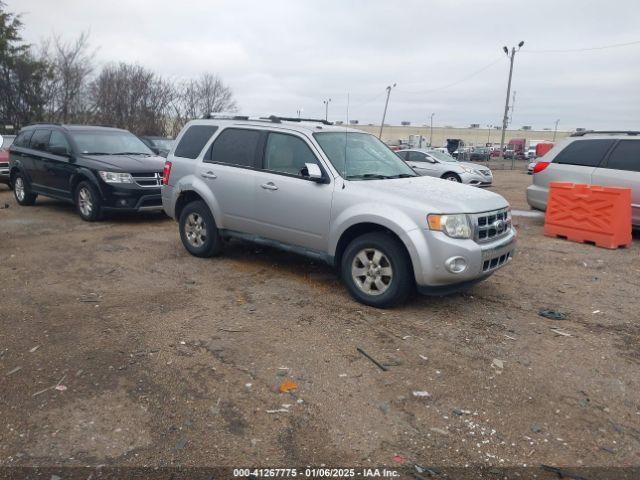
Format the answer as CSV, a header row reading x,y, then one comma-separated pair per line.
x,y
276,119
612,132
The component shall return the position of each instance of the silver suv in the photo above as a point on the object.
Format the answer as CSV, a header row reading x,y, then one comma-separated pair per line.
x,y
335,194
442,165
599,158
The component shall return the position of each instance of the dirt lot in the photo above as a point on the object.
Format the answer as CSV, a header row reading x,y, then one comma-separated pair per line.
x,y
172,360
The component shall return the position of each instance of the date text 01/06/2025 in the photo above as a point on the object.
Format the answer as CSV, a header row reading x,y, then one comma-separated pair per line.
x,y
315,473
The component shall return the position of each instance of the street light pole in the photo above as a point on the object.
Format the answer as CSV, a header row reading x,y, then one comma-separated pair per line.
x,y
555,130
506,103
489,127
431,133
326,108
386,104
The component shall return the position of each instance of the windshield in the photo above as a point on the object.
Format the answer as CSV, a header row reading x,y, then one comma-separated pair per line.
x,y
163,143
366,157
443,157
109,143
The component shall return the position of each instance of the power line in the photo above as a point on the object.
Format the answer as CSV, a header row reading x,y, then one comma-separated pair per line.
x,y
570,50
463,79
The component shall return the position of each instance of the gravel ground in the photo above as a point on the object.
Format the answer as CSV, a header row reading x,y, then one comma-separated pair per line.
x,y
118,348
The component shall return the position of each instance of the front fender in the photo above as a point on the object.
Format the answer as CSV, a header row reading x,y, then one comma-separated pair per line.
x,y
396,220
191,183
83,172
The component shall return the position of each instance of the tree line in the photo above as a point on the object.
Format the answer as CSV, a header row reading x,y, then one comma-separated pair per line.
x,y
59,81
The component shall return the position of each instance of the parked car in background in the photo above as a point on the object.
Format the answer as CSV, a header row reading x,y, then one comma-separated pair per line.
x,y
479,154
599,158
335,194
531,166
437,164
158,145
97,168
5,143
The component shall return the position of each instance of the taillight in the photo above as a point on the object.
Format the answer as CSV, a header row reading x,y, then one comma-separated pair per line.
x,y
166,172
540,166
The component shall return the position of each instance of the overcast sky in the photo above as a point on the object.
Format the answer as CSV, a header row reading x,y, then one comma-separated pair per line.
x,y
281,56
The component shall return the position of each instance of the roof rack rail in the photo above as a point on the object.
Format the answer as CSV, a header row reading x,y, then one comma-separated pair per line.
x,y
224,116
595,132
277,119
44,123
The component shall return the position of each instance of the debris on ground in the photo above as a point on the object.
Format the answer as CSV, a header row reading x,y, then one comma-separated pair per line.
x,y
279,410
373,360
552,314
497,363
560,332
15,370
288,386
32,350
421,394
439,430
535,428
399,459
60,388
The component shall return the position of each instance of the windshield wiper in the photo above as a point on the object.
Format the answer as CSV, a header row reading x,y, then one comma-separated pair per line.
x,y
368,176
132,153
96,153
403,175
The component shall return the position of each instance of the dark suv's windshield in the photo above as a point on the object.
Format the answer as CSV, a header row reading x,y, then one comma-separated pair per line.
x,y
109,143
360,156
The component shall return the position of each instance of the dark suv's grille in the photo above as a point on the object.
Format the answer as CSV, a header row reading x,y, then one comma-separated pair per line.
x,y
491,225
148,179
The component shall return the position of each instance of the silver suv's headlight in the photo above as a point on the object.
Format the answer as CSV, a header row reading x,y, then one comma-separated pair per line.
x,y
454,226
115,177
468,170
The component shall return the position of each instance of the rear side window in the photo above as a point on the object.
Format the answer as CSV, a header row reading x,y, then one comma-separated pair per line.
x,y
194,140
40,139
22,140
236,147
587,153
626,156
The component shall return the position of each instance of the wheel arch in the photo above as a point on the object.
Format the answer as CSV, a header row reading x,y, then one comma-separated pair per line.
x,y
449,172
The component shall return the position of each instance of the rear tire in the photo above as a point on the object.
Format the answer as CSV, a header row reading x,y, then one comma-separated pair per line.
x,y
377,270
87,202
198,230
451,177
22,191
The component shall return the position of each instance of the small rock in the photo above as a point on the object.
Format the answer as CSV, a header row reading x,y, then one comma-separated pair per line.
x,y
535,428
181,444
421,394
497,363
457,412
384,408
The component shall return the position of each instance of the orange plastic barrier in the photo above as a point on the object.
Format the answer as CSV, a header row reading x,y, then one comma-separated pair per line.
x,y
589,213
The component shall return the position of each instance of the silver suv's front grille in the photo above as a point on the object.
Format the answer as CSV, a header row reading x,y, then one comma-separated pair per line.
x,y
489,226
148,179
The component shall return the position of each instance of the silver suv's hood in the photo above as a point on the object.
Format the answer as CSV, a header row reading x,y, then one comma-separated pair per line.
x,y
433,194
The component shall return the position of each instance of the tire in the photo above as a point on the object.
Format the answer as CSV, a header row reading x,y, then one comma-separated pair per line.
x,y
451,177
395,288
198,230
87,200
22,191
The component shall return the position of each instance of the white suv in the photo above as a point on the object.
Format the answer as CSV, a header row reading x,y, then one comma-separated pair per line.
x,y
335,194
599,158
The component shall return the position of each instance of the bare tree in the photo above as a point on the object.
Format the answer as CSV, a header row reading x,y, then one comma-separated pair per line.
x,y
132,97
71,65
198,97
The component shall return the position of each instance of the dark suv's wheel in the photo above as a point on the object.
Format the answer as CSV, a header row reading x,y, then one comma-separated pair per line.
x,y
451,177
22,190
377,271
88,202
198,230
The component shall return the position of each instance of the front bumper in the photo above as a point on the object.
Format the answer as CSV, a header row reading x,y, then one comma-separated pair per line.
x,y
130,198
482,259
477,179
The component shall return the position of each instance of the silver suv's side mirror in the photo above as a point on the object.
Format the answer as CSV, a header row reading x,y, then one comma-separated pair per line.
x,y
313,172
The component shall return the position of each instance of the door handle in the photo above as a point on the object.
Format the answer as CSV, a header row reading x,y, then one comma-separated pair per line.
x,y
208,175
269,186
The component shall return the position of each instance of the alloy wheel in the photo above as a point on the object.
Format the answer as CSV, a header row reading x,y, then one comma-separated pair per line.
x,y
19,189
195,230
85,202
371,271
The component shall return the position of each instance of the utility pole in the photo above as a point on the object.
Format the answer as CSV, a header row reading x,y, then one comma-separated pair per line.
x,y
386,104
555,130
431,133
506,103
326,108
489,127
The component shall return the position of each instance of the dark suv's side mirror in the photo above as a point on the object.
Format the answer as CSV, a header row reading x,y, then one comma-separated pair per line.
x,y
58,150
